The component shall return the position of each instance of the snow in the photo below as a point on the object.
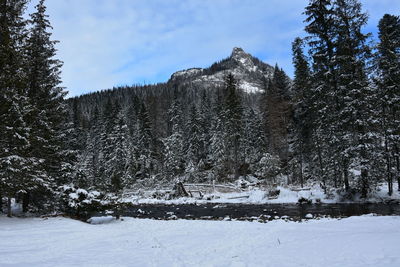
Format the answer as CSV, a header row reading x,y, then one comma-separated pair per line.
x,y
101,220
256,195
186,73
355,241
73,196
381,193
249,87
81,191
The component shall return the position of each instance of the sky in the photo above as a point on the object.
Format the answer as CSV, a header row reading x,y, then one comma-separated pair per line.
x,y
106,43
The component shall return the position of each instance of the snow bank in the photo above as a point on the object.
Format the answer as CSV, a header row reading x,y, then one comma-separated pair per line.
x,y
101,220
356,241
254,195
251,196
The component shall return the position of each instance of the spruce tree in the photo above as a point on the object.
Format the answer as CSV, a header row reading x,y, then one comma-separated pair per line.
x,y
277,111
387,63
303,114
173,144
233,115
193,142
146,142
253,145
205,117
355,99
321,36
48,113
118,164
17,168
217,155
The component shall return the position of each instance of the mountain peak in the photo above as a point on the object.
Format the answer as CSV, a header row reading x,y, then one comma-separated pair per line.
x,y
248,70
238,53
237,50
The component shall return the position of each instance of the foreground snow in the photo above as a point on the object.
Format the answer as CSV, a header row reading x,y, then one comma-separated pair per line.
x,y
356,241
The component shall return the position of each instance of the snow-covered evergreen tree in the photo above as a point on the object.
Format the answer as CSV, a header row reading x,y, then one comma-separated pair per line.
x,y
303,115
233,124
387,63
48,113
355,99
18,171
277,110
194,138
320,39
173,144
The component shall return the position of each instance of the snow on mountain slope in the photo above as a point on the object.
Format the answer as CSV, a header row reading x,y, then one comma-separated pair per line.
x,y
248,70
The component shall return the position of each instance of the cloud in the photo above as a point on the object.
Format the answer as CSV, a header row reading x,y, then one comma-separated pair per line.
x,y
107,43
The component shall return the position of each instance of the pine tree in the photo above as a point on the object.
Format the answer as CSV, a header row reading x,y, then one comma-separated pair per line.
x,y
303,110
119,161
90,160
217,150
205,117
146,143
115,153
46,97
233,115
387,62
321,36
145,129
17,169
173,144
355,99
107,121
193,144
253,145
277,111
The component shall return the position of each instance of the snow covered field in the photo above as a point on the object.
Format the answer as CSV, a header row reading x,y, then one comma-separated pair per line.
x,y
356,241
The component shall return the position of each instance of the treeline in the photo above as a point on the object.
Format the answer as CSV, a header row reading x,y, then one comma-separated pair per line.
x,y
151,136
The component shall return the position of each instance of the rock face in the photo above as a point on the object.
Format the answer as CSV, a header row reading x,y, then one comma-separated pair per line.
x,y
248,70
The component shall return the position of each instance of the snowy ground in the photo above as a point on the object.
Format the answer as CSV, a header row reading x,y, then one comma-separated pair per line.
x,y
355,241
255,195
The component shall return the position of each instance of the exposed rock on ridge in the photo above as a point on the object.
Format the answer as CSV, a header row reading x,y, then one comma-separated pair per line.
x,y
248,70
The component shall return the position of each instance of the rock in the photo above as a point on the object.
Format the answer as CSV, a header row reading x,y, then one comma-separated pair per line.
x,y
309,216
303,200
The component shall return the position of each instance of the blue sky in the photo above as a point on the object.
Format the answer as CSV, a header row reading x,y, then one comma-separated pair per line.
x,y
106,43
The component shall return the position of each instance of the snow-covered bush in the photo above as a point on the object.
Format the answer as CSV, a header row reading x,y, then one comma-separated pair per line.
x,y
78,201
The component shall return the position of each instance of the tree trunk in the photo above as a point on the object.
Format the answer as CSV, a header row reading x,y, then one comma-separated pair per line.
x,y
301,171
25,201
388,169
346,178
364,183
321,167
301,164
337,176
398,170
389,176
236,152
9,207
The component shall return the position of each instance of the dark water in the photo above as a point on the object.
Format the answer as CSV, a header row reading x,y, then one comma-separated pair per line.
x,y
262,212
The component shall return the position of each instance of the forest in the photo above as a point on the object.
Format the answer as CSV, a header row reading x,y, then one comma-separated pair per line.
x,y
336,123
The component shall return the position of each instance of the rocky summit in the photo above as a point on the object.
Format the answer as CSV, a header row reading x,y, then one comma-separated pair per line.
x,y
250,72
